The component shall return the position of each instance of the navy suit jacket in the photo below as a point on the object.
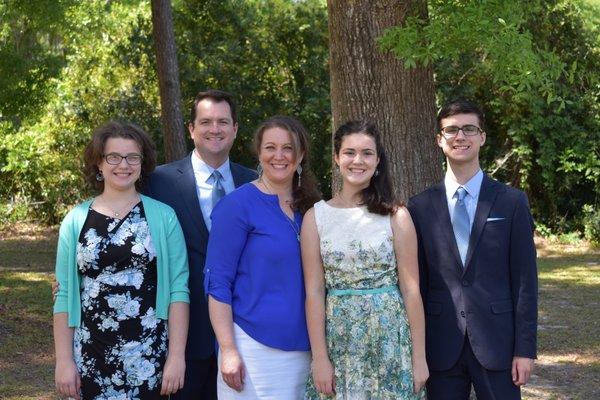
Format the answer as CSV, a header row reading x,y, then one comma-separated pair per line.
x,y
493,299
175,185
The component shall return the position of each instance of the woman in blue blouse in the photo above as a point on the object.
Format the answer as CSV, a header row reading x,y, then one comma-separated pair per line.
x,y
253,274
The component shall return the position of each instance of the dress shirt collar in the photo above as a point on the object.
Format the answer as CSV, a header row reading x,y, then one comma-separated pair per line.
x,y
203,171
472,186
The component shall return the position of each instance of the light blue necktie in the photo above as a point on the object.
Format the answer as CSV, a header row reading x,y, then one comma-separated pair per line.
x,y
461,224
218,191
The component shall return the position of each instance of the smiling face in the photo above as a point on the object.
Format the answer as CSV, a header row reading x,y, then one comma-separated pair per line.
x,y
461,150
120,177
213,131
357,159
277,156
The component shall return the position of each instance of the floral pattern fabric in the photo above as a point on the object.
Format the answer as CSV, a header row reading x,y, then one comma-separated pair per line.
x,y
368,337
120,346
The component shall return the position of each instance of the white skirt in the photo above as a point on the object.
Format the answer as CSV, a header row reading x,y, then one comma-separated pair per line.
x,y
270,373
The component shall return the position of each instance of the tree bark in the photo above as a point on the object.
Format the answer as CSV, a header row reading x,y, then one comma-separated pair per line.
x,y
168,79
369,84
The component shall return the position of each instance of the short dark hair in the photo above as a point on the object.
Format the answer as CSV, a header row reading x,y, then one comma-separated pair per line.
x,y
216,95
460,106
307,193
94,151
379,195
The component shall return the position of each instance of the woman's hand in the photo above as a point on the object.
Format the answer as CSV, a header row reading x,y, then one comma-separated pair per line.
x,y
173,375
232,369
420,374
323,376
67,379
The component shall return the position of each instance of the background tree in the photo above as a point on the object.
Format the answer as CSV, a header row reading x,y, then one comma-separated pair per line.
x,y
368,83
535,68
271,53
168,80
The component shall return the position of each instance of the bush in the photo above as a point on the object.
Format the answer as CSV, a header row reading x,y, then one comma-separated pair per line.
x,y
591,223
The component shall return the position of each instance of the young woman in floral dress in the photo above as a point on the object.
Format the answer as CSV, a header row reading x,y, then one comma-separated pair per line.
x,y
122,271
363,306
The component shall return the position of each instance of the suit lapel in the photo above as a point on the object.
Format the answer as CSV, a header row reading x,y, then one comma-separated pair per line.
x,y
440,206
186,184
238,175
487,196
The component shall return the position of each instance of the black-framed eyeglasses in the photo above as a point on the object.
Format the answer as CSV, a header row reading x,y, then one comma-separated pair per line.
x,y
116,158
468,130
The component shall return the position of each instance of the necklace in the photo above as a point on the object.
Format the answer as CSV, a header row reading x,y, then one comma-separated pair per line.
x,y
291,221
347,203
119,212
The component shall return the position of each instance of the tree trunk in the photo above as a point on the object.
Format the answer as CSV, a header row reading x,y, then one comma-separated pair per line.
x,y
168,79
366,83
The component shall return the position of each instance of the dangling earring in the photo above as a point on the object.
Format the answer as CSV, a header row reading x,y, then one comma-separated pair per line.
x,y
99,176
259,170
376,172
299,171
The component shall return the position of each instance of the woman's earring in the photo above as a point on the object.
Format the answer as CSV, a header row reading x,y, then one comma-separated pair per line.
x,y
99,176
299,171
376,172
259,170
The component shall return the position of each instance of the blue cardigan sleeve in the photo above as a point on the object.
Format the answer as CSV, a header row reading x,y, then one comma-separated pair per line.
x,y
64,252
227,239
178,261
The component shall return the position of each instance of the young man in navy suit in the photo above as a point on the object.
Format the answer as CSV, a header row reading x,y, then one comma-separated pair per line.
x,y
478,270
192,188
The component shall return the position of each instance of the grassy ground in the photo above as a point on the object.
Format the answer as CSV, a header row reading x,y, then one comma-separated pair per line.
x,y
569,348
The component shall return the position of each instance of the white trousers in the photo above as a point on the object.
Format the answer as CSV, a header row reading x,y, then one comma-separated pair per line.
x,y
271,374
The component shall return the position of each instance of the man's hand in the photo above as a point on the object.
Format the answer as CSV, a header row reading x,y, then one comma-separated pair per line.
x,y
55,287
522,368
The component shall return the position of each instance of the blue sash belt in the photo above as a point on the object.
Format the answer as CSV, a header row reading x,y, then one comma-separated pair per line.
x,y
358,292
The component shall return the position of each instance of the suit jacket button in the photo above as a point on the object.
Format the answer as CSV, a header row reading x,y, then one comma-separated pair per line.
x,y
462,314
465,283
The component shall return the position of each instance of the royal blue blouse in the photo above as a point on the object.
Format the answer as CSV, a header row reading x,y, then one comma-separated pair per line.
x,y
253,263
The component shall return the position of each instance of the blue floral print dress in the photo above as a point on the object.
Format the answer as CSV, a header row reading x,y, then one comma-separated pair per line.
x,y
367,332
120,346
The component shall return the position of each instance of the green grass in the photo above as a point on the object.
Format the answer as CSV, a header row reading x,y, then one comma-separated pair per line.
x,y
569,349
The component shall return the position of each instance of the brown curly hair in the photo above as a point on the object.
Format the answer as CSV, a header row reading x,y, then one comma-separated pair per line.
x,y
94,151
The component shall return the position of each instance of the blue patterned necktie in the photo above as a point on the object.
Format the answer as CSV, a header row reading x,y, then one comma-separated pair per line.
x,y
461,224
218,191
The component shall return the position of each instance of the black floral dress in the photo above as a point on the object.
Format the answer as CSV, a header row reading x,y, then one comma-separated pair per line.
x,y
120,346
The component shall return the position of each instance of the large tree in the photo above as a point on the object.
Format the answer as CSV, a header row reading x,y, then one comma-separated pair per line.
x,y
168,79
369,83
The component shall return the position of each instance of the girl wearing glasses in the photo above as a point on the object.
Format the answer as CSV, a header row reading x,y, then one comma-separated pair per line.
x,y
121,266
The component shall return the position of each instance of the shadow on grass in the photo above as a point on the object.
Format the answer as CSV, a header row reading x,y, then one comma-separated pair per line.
x,y
27,255
26,350
561,378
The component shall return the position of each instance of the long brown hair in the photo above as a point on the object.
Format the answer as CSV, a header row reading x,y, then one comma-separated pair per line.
x,y
378,196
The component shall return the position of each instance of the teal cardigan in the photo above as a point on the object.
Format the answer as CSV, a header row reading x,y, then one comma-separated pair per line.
x,y
171,257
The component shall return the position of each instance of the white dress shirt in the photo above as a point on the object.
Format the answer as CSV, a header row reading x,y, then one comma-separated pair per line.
x,y
473,187
204,183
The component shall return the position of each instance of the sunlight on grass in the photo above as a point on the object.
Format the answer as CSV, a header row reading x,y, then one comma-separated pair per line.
x,y
575,275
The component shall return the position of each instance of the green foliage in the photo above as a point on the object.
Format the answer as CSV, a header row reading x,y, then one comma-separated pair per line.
x,y
591,224
88,62
535,69
271,53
